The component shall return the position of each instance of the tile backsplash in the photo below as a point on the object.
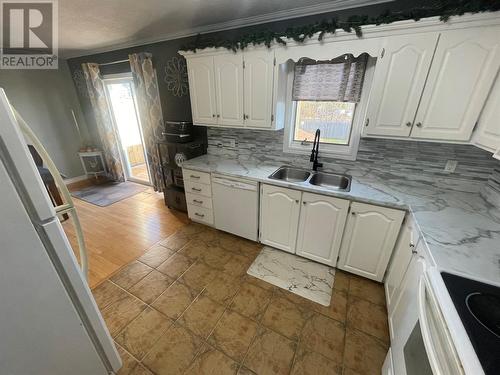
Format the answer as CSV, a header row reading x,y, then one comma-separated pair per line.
x,y
398,157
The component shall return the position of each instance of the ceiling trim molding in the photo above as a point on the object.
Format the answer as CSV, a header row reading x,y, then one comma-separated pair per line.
x,y
281,15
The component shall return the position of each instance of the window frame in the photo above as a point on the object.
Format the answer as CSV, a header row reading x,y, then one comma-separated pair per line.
x,y
346,152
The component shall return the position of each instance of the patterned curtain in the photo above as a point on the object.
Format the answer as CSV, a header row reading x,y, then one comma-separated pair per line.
x,y
107,132
337,80
148,101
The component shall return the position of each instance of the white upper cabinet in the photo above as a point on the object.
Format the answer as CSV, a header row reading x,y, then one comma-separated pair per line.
x,y
202,89
233,89
258,82
369,238
487,134
321,224
398,83
462,72
279,219
229,88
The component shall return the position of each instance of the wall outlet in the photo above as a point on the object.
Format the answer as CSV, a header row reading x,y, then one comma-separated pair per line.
x,y
450,166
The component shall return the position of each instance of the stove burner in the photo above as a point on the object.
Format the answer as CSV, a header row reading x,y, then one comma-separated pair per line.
x,y
486,309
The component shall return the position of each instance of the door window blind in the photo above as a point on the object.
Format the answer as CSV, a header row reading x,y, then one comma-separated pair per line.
x,y
339,80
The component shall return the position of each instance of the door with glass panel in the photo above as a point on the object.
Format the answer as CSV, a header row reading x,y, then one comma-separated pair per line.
x,y
123,107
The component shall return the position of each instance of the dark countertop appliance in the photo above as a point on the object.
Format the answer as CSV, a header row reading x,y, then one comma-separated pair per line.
x,y
181,142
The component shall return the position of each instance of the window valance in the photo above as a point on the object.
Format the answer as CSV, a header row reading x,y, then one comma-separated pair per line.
x,y
340,79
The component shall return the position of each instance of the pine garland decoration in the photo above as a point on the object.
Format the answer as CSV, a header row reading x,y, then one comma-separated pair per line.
x,y
442,8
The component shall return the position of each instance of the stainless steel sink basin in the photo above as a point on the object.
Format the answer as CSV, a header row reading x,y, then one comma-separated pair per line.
x,y
290,174
331,181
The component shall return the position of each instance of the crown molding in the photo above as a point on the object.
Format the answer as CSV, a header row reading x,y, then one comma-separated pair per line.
x,y
329,6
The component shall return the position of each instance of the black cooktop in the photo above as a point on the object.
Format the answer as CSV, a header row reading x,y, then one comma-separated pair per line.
x,y
478,306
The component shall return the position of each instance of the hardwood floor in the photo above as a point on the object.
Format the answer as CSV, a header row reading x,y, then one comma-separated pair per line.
x,y
117,234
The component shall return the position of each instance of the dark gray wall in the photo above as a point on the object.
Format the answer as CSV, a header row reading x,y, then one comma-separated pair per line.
x,y
45,98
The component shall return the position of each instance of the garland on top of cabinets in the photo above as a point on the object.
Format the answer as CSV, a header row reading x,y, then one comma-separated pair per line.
x,y
442,8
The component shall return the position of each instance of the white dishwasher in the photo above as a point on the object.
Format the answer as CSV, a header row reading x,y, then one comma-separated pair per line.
x,y
236,206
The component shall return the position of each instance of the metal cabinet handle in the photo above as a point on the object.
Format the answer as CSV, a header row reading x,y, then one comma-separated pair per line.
x,y
199,215
419,124
195,189
218,116
296,201
213,115
353,213
193,176
408,123
304,202
197,201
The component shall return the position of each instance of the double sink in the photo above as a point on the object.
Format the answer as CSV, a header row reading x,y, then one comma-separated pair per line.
x,y
331,181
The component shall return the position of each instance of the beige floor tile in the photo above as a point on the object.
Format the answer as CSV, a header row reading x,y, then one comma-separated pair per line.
x,y
107,293
150,287
258,282
131,274
367,289
368,317
285,317
244,371
341,281
307,362
211,361
201,316
240,246
198,276
140,370
140,335
216,257
233,334
270,353
251,301
324,336
176,241
237,265
194,250
337,309
222,288
173,301
175,266
122,312
363,353
173,352
156,255
128,362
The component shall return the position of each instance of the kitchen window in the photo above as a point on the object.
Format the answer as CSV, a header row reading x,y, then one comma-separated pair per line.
x,y
330,96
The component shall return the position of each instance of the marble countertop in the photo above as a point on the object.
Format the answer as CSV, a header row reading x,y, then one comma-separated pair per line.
x,y
460,228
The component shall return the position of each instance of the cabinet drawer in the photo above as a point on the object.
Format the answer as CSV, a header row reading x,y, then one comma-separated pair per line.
x,y
197,188
200,214
199,201
195,176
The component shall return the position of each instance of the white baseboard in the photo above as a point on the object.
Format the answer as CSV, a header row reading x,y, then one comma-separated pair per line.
x,y
72,180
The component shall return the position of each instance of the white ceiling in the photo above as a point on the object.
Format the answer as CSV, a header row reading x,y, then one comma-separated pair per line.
x,y
87,26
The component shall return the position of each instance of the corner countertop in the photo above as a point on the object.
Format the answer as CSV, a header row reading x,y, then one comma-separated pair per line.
x,y
460,228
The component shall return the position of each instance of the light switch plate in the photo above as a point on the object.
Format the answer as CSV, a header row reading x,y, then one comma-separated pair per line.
x,y
232,143
450,166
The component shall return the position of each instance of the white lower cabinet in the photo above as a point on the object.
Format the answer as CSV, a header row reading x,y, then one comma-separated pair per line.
x,y
405,247
279,217
369,238
387,368
321,224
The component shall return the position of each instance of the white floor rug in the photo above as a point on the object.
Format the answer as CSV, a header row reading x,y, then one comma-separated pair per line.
x,y
306,278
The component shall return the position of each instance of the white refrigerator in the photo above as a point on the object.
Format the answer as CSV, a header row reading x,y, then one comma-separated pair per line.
x,y
49,321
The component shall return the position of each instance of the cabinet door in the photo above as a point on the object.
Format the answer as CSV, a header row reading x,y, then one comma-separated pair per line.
x,y
369,238
229,88
400,261
258,82
398,83
202,89
463,70
321,224
487,134
279,218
